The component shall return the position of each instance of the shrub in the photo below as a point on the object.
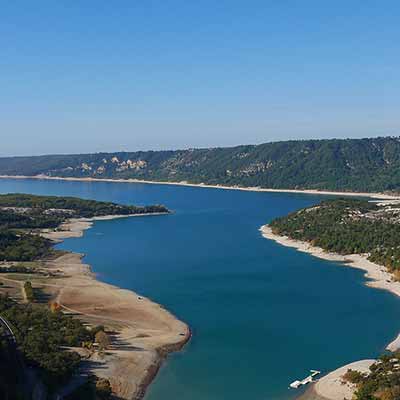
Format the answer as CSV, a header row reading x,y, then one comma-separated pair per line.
x,y
29,291
103,389
353,376
103,340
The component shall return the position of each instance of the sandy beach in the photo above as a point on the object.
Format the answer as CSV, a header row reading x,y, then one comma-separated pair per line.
x,y
331,387
74,227
148,334
145,332
382,196
378,276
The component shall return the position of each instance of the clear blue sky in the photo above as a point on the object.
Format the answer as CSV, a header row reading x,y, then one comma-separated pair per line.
x,y
87,76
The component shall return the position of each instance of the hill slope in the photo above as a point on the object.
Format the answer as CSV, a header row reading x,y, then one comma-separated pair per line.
x,y
352,164
348,226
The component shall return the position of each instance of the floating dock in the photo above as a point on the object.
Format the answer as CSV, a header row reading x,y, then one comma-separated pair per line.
x,y
305,381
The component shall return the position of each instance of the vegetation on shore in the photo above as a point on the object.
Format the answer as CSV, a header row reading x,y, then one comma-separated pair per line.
x,y
48,211
22,214
364,165
381,383
46,338
22,246
355,226
348,226
40,335
28,289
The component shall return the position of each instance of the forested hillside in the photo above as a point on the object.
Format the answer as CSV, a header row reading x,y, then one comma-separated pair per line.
x,y
351,164
20,214
348,226
382,382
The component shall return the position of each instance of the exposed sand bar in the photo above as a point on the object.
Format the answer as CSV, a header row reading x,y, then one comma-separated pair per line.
x,y
146,332
184,183
331,386
74,227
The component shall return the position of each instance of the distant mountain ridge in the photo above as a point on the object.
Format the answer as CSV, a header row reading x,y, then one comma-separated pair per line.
x,y
364,165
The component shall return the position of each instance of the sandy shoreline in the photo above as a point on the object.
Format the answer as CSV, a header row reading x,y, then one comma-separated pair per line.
x,y
330,386
74,227
120,371
146,332
203,185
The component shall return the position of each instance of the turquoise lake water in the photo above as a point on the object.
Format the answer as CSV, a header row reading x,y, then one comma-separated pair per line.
x,y
262,315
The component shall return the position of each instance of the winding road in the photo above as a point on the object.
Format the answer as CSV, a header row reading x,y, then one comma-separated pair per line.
x,y
10,335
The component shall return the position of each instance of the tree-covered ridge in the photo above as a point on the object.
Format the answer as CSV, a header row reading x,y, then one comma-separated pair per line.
x,y
347,227
46,339
62,207
22,246
40,335
20,214
369,165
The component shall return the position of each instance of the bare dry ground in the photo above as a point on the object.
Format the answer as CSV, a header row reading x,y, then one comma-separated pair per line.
x,y
142,332
333,387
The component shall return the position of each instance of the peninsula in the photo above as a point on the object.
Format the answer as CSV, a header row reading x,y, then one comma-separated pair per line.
x,y
361,234
80,337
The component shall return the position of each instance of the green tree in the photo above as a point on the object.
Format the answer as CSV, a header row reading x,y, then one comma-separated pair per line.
x,y
30,296
103,340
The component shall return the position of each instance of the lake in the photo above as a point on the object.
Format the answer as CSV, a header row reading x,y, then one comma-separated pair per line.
x,y
262,315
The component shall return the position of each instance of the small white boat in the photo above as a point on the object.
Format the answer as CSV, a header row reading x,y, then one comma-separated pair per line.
x,y
295,384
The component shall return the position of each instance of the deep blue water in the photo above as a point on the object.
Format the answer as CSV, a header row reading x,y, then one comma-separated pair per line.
x,y
262,314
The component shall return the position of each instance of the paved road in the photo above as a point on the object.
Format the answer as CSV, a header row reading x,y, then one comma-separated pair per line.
x,y
26,381
8,329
